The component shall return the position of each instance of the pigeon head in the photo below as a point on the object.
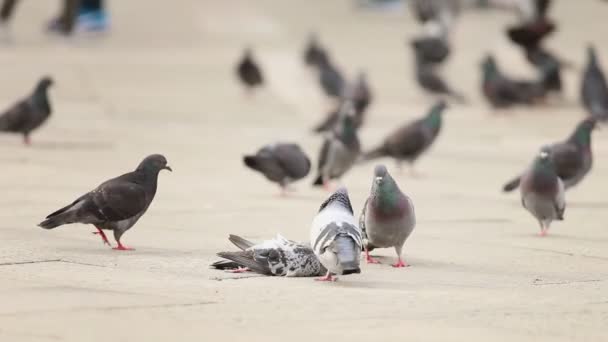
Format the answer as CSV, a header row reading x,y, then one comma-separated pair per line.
x,y
154,164
384,187
543,160
433,118
582,133
45,82
340,198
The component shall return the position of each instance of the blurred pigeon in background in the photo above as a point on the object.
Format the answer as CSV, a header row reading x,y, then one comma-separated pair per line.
x,y
410,141
330,78
533,30
314,53
282,163
387,218
249,72
335,237
29,113
542,192
275,257
571,158
116,204
339,152
594,91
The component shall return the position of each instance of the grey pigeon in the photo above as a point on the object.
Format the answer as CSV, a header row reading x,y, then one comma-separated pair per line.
x,y
276,257
571,158
248,71
344,108
594,91
314,53
387,218
501,91
339,152
542,192
116,204
281,163
410,141
361,95
29,113
331,80
335,237
429,79
430,50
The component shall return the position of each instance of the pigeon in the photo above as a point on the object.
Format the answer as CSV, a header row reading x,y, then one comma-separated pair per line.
x,y
249,72
281,163
339,152
29,113
276,257
314,52
549,67
532,31
594,91
355,102
387,218
335,237
331,80
429,80
542,191
430,50
502,92
116,204
437,14
571,158
408,142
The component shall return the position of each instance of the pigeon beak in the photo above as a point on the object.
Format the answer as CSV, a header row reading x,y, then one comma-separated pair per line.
x,y
378,179
168,168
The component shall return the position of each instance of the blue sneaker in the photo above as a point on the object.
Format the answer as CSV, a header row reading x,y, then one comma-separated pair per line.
x,y
93,21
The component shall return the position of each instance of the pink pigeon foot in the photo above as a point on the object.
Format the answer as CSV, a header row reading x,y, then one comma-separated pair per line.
x,y
369,258
122,247
327,277
240,270
400,263
103,236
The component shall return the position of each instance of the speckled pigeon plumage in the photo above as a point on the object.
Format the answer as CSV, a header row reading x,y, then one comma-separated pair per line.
x,y
275,257
571,158
594,90
29,113
542,192
116,204
339,151
248,71
410,141
387,218
335,236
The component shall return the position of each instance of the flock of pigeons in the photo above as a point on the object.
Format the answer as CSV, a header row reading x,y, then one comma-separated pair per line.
x,y
387,218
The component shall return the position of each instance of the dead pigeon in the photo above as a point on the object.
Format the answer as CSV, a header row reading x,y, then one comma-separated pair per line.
x,y
282,163
29,113
339,152
542,192
571,158
410,141
276,257
387,218
116,204
594,91
249,71
335,237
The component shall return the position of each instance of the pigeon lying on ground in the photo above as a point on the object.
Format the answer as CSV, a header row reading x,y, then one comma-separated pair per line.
x,y
29,113
339,152
249,72
116,204
335,237
594,91
571,158
276,257
387,218
500,91
410,141
281,163
542,192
